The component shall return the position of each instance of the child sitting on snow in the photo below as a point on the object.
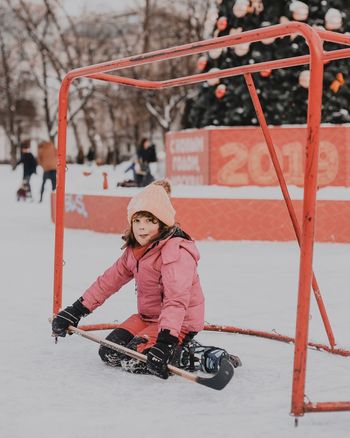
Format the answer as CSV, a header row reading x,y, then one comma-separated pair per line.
x,y
163,261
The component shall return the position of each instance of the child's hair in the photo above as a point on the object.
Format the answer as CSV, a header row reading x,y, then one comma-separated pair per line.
x,y
129,237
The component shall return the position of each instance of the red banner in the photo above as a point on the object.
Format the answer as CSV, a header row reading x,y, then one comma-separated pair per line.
x,y
202,217
240,157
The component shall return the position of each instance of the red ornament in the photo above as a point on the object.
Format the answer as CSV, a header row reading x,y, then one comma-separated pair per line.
x,y
202,63
221,24
265,73
220,91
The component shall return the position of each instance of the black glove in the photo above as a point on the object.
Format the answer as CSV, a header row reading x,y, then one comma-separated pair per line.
x,y
69,316
161,354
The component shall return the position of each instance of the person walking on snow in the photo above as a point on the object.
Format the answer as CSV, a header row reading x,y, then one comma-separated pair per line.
x,y
162,259
29,164
47,159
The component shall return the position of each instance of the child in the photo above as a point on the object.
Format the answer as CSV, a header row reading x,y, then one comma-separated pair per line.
x,y
163,261
29,167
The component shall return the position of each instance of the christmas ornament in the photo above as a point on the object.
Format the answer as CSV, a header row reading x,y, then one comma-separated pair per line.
x,y
241,49
221,24
337,83
220,91
300,10
333,19
202,62
265,73
240,8
304,78
215,53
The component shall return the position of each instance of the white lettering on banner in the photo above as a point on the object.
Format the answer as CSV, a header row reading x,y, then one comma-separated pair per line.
x,y
294,159
186,145
188,163
328,165
260,166
229,174
254,166
190,180
75,203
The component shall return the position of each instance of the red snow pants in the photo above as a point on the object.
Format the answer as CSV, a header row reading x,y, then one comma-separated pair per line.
x,y
144,329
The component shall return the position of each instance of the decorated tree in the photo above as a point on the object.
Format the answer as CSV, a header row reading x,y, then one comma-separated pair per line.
x,y
283,92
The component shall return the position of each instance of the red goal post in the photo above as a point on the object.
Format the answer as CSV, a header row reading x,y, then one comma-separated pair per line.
x,y
304,233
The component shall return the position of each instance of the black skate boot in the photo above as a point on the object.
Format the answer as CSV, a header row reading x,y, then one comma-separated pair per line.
x,y
118,336
132,365
212,356
197,357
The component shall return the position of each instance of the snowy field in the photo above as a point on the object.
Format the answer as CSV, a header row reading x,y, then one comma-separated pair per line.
x,y
64,390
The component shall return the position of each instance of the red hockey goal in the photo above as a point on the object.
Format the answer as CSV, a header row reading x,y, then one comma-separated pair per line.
x,y
304,233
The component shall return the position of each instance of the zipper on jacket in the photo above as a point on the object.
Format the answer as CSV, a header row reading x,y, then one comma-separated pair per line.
x,y
148,249
151,247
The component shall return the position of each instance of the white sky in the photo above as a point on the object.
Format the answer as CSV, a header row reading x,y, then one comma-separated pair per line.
x,y
77,6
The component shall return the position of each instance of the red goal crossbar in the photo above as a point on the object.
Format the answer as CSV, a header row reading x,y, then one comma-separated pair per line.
x,y
304,233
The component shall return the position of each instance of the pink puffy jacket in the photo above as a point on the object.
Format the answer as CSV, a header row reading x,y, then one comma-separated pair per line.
x,y
167,285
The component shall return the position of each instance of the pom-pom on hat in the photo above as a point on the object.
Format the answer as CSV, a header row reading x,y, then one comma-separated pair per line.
x,y
155,199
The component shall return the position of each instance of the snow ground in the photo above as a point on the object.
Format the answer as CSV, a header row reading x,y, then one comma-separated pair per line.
x,y
64,390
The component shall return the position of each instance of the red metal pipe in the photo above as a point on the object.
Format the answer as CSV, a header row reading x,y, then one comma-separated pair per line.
x,y
241,331
334,37
254,35
194,48
336,54
233,71
327,406
60,192
275,337
286,196
200,77
308,228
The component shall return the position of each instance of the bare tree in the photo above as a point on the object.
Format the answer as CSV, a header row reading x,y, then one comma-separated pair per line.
x,y
57,43
16,107
56,55
172,24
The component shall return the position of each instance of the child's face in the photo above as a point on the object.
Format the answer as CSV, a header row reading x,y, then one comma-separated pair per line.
x,y
145,229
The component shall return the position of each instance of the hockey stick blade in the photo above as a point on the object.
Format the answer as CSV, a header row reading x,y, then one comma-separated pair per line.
x,y
221,378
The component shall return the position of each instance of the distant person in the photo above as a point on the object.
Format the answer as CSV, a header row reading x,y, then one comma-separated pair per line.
x,y
146,154
29,167
47,159
110,156
80,156
91,155
147,151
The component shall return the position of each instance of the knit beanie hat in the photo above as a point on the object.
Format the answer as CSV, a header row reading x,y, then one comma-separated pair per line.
x,y
155,199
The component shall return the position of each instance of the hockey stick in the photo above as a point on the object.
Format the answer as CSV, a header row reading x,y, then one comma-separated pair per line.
x,y
218,381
